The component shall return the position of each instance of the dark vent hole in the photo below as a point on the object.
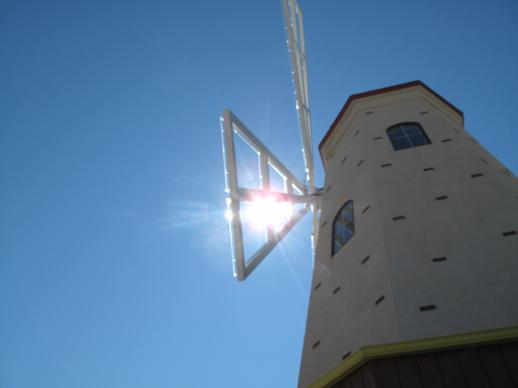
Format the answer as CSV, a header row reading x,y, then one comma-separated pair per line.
x,y
356,133
346,355
446,140
477,175
316,344
317,286
365,259
423,112
344,159
441,198
336,290
323,224
438,259
398,218
359,163
377,138
429,169
428,307
379,300
366,208
328,188
386,165
369,113
510,233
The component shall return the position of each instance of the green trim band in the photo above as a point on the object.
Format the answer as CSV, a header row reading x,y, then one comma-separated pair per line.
x,y
367,353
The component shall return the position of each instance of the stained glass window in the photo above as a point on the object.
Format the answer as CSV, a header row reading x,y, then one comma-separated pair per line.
x,y
343,226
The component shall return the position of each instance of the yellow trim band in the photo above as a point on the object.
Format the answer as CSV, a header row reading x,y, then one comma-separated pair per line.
x,y
367,353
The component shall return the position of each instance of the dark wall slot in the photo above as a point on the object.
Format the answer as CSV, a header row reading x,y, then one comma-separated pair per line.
x,y
336,290
398,218
446,140
359,163
356,133
317,286
346,355
365,259
344,159
369,113
429,169
316,344
386,165
423,112
379,300
323,224
510,233
377,138
441,198
428,307
438,259
366,208
479,174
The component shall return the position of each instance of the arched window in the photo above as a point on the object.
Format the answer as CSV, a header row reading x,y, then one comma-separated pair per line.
x,y
407,135
343,227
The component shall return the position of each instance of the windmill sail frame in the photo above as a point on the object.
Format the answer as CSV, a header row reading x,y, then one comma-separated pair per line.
x,y
232,126
309,195
294,23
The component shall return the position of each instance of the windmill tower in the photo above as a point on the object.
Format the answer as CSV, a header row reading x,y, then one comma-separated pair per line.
x,y
415,279
415,282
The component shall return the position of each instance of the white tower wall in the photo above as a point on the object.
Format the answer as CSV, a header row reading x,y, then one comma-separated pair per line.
x,y
372,291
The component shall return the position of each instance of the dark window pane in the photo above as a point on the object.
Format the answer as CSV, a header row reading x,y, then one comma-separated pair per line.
x,y
396,131
401,144
407,135
412,129
418,140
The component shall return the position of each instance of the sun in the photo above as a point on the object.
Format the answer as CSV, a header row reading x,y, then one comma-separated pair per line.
x,y
263,212
267,212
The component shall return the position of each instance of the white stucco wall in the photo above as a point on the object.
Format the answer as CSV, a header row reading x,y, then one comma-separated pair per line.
x,y
475,288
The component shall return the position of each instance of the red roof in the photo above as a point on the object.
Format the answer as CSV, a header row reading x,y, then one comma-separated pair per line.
x,y
381,91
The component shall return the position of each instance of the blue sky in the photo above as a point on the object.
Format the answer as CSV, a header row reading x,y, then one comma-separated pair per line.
x,y
115,265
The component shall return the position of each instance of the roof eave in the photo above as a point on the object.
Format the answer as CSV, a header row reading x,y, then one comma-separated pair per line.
x,y
375,92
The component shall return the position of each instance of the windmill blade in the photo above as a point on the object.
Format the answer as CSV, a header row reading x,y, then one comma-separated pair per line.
x,y
294,23
232,126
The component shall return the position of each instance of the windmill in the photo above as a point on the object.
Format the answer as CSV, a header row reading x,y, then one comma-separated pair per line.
x,y
294,190
415,280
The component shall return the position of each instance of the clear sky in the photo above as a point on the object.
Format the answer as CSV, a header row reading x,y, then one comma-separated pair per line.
x,y
115,266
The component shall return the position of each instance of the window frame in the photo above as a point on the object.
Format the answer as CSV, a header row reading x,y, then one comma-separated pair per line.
x,y
407,136
344,208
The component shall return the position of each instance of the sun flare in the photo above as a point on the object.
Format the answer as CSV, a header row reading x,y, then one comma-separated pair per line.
x,y
266,212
